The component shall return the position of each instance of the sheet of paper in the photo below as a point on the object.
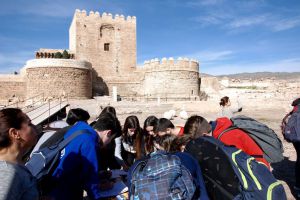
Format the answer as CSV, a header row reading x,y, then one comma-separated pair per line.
x,y
119,188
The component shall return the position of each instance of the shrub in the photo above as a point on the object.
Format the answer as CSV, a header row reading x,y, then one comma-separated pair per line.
x,y
58,55
65,55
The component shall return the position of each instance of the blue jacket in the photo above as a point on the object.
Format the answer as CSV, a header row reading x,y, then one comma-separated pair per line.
x,y
191,164
78,166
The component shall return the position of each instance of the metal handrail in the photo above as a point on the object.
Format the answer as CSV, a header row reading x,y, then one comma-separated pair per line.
x,y
24,100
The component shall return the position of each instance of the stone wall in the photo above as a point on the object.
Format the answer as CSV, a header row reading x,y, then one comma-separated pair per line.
x,y
171,79
210,84
57,77
12,88
89,33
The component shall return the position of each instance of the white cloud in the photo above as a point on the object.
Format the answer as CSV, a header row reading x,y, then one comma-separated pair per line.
x,y
285,24
248,21
211,56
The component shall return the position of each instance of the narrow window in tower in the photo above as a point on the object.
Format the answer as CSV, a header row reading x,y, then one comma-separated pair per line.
x,y
106,46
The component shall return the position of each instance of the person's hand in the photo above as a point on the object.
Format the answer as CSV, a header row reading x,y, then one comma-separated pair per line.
x,y
106,185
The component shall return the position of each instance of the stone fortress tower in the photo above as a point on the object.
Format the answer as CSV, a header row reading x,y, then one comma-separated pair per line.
x,y
102,50
108,42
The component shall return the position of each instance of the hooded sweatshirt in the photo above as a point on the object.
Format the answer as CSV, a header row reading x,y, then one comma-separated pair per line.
x,y
239,139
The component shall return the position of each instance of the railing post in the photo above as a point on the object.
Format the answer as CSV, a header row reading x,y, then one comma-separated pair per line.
x,y
49,110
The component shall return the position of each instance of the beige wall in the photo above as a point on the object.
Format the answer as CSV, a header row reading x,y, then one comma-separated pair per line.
x,y
12,87
174,79
89,33
57,77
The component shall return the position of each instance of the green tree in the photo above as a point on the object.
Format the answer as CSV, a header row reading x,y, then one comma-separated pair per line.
x,y
65,55
58,55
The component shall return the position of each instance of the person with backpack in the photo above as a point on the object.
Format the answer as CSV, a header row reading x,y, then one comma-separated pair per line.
x,y
77,166
230,173
166,175
291,131
226,108
17,136
238,138
56,130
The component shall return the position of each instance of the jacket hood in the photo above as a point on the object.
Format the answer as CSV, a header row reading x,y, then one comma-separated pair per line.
x,y
223,123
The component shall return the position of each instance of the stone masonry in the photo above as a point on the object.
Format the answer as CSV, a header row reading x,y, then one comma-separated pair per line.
x,y
102,50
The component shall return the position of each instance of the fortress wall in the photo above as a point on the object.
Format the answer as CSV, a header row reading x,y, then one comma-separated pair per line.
x,y
89,33
57,77
12,88
175,79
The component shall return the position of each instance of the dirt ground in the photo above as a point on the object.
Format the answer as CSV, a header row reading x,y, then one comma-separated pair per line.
x,y
265,110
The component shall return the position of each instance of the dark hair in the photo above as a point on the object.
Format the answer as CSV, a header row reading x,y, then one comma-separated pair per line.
x,y
165,141
196,125
10,118
178,142
109,109
162,125
77,114
296,102
224,101
107,122
133,122
150,121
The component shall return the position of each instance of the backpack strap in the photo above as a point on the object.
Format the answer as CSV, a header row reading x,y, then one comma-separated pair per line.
x,y
66,141
232,128
226,130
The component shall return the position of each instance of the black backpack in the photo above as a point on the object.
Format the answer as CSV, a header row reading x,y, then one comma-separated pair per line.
x,y
44,161
229,173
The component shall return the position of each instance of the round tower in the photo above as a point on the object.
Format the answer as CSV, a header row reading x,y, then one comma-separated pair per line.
x,y
58,77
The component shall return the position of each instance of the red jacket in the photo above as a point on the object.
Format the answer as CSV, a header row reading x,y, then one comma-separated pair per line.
x,y
239,139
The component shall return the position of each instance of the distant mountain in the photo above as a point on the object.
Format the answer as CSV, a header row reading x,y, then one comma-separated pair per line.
x,y
259,75
205,75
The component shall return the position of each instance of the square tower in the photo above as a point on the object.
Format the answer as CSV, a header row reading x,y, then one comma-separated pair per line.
x,y
108,43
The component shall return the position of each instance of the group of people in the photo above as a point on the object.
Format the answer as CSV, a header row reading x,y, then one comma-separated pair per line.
x,y
106,145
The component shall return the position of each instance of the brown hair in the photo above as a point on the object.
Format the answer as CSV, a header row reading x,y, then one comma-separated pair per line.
x,y
162,125
196,125
165,141
149,145
178,142
10,118
224,101
133,122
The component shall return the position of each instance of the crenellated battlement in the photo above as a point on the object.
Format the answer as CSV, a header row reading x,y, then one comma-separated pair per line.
x,y
171,64
82,14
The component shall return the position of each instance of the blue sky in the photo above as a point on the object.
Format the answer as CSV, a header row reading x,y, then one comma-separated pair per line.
x,y
226,36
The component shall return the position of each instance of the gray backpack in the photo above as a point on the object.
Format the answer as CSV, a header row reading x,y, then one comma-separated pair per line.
x,y
264,137
291,130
